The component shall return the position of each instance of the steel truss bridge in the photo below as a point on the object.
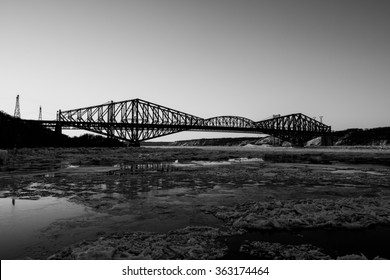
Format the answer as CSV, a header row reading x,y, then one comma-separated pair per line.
x,y
138,120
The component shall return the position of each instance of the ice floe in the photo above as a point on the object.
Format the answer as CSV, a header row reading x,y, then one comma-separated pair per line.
x,y
73,166
353,171
197,163
277,251
348,213
187,243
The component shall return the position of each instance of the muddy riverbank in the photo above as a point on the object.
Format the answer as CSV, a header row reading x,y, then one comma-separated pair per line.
x,y
172,203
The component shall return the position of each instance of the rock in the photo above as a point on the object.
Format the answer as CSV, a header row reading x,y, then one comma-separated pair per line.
x,y
314,142
269,140
286,144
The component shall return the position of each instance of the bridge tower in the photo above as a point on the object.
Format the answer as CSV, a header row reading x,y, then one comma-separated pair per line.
x,y
40,113
110,119
17,108
58,128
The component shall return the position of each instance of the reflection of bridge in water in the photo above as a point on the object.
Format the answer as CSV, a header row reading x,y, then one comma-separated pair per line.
x,y
137,120
139,168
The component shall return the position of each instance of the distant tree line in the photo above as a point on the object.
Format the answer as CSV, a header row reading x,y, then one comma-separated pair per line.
x,y
90,140
17,133
363,137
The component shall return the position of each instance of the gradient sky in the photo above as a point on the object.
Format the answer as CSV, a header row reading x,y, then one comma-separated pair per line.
x,y
204,57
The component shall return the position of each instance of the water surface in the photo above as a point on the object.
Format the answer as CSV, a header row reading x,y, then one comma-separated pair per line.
x,y
21,221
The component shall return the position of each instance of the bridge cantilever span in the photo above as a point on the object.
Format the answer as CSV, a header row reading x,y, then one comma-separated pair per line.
x,y
295,128
138,120
132,120
296,122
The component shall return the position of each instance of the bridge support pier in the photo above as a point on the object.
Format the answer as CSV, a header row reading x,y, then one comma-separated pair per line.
x,y
58,129
134,144
327,140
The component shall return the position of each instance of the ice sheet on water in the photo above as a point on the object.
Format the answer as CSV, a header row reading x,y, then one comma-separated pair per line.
x,y
207,163
349,213
196,163
195,242
244,160
352,171
73,166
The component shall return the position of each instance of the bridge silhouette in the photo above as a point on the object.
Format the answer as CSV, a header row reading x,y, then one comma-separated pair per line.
x,y
138,120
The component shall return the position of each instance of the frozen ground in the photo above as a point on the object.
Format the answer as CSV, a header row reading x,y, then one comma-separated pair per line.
x,y
195,203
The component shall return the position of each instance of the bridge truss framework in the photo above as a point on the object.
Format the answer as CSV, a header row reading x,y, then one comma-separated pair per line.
x,y
138,120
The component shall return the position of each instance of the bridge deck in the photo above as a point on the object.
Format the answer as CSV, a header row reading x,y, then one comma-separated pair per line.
x,y
137,120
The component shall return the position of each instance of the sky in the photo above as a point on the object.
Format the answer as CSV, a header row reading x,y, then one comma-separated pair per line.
x,y
248,58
